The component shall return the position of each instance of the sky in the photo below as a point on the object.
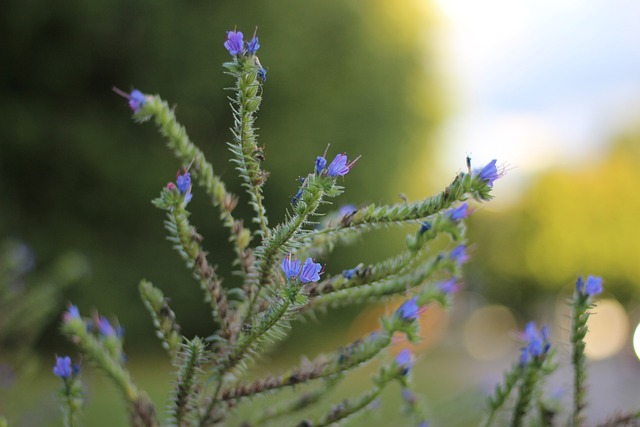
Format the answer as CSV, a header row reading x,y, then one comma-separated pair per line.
x,y
538,83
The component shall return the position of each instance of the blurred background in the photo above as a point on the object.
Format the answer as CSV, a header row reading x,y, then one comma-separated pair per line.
x,y
552,90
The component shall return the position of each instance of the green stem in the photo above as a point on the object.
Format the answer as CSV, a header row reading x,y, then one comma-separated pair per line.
x,y
580,316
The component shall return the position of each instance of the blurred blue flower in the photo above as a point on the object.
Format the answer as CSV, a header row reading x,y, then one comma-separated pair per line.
x,y
71,313
424,227
590,288
448,287
235,42
136,100
183,182
409,310
63,367
104,327
348,274
262,74
459,254
461,212
536,342
404,361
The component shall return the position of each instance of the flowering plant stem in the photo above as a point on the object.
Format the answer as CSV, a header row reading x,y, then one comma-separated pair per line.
x,y
581,305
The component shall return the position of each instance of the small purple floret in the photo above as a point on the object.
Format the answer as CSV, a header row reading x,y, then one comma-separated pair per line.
x,y
183,182
593,286
310,271
448,287
235,42
409,310
72,313
253,46
339,166
262,74
291,267
404,361
461,212
321,163
63,367
488,173
459,254
536,342
136,100
104,327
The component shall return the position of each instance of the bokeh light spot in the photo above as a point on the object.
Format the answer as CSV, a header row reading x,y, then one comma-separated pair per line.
x,y
608,328
488,332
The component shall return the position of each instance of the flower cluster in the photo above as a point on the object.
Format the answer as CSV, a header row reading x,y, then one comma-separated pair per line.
x,y
308,272
183,184
537,343
237,47
589,288
338,167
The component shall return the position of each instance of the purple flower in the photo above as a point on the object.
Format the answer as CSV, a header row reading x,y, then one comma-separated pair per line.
x,y
404,361
424,227
62,367
459,254
448,287
346,210
291,267
409,310
488,173
72,313
235,42
423,424
348,274
339,165
537,342
104,327
253,46
136,100
183,182
461,212
310,271
321,163
262,74
408,396
593,285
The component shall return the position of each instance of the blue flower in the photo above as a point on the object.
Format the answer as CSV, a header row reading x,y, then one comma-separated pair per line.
x,y
310,271
183,182
262,74
346,210
291,267
321,163
536,342
448,287
409,310
461,212
253,46
459,254
590,288
408,396
63,367
348,274
235,42
339,165
404,361
71,313
104,327
489,173
136,100
424,227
